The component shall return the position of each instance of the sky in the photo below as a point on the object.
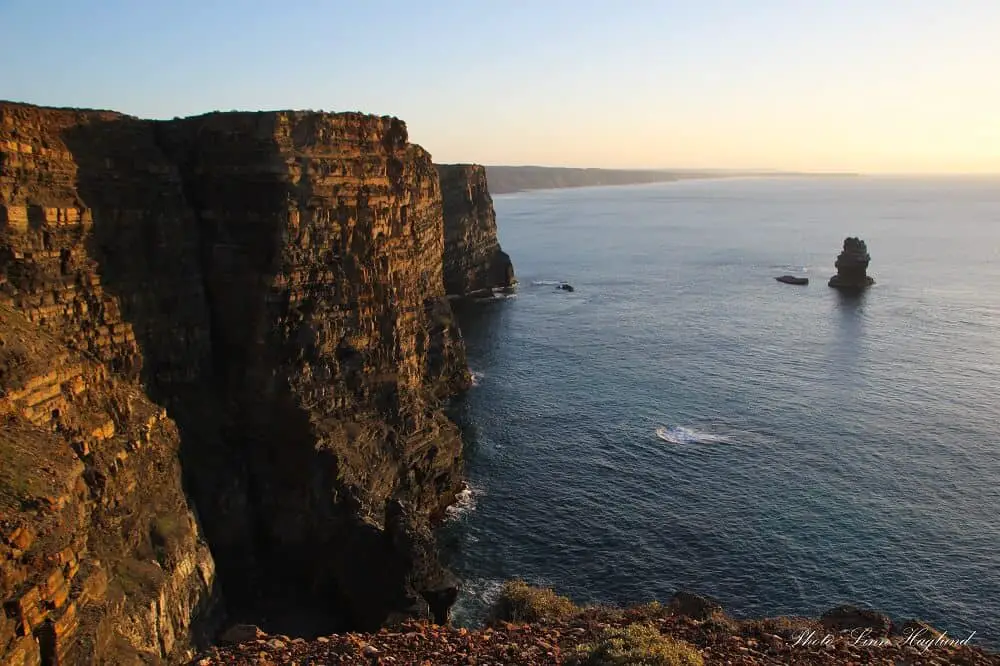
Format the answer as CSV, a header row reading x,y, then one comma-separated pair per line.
x,y
872,86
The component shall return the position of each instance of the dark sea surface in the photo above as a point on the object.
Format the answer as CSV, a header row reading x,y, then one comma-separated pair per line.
x,y
683,421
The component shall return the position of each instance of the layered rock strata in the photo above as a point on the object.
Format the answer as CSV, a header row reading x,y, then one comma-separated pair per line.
x,y
274,280
473,260
101,558
852,266
321,241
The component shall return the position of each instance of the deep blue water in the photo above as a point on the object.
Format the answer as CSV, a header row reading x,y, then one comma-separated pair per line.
x,y
812,450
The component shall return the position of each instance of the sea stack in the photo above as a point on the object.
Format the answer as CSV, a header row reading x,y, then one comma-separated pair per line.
x,y
852,266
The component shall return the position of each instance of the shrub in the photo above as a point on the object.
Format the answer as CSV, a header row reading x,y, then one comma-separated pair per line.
x,y
638,645
166,528
647,611
520,602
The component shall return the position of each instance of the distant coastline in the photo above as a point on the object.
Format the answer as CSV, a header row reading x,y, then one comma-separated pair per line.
x,y
509,179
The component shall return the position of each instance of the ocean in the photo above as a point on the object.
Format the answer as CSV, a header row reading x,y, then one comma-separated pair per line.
x,y
683,421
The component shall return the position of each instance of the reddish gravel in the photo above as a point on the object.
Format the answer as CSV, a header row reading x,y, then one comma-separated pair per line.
x,y
720,641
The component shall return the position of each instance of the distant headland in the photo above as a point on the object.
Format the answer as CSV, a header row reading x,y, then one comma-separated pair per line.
x,y
507,179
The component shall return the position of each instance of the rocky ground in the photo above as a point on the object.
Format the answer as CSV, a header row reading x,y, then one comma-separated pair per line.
x,y
716,639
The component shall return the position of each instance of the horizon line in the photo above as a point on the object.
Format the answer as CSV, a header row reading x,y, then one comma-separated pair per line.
x,y
750,170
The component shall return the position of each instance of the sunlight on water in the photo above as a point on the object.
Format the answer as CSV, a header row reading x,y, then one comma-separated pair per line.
x,y
682,420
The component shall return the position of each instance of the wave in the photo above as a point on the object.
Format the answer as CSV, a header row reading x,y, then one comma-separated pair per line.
x,y
492,295
546,283
790,268
474,600
681,435
465,503
476,377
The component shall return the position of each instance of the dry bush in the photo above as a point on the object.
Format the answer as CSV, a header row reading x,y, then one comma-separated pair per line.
x,y
520,602
636,645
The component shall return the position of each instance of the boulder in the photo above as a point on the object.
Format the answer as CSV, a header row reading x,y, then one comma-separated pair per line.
x,y
848,617
918,629
695,606
241,633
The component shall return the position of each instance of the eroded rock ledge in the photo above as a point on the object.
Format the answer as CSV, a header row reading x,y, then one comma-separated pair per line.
x,y
473,260
274,281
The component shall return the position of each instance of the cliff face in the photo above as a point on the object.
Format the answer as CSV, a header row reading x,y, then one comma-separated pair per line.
x,y
116,564
274,280
473,260
101,557
332,343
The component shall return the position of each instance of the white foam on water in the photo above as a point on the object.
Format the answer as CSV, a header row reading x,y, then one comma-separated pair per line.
x,y
474,598
465,503
545,283
476,377
681,435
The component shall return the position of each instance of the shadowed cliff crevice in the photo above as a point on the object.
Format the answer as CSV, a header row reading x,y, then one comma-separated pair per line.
x,y
145,242
216,473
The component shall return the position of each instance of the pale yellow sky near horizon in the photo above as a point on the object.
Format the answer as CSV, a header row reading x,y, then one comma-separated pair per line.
x,y
870,86
884,86
932,123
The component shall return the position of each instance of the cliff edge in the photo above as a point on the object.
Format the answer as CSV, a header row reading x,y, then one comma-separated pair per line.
x,y
535,627
269,286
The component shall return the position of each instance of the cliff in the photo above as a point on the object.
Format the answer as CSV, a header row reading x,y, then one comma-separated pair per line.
x,y
473,260
101,556
274,281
